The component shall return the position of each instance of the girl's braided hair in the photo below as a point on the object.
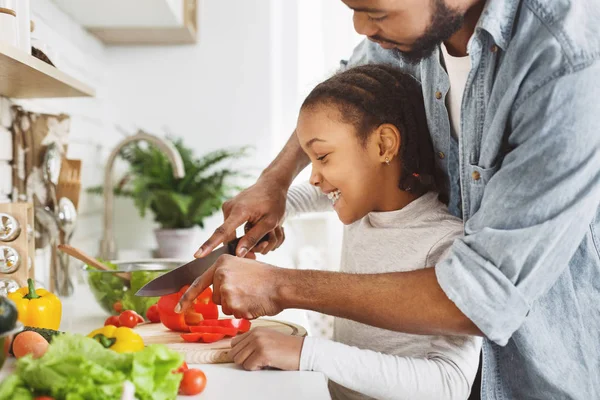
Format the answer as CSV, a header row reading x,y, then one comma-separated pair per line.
x,y
371,95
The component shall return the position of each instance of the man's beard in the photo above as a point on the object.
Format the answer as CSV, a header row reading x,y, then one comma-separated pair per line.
x,y
444,23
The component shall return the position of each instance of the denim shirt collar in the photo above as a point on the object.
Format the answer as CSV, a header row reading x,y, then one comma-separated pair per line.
x,y
497,19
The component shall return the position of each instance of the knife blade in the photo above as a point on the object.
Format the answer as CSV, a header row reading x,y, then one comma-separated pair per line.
x,y
175,279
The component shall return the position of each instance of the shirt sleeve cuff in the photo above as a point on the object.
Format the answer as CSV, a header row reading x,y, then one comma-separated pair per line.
x,y
482,292
308,354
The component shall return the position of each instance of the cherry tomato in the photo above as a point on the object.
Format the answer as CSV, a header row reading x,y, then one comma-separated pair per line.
x,y
118,307
44,398
184,367
140,319
152,314
129,319
112,320
193,382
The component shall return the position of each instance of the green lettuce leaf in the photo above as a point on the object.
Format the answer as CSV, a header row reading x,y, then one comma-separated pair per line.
x,y
138,280
76,367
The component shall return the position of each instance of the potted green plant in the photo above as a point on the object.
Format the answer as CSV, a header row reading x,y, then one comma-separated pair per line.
x,y
179,206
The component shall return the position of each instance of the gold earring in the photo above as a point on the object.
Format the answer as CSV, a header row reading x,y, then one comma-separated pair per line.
x,y
387,161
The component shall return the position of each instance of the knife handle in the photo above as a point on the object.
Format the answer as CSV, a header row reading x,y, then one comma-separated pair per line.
x,y
231,246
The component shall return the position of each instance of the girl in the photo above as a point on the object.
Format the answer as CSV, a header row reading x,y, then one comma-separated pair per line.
x,y
366,134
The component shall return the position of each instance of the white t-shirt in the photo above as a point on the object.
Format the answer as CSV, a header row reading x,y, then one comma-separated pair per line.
x,y
367,362
458,70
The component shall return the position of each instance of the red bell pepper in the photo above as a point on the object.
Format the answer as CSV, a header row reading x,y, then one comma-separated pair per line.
x,y
214,329
181,322
202,337
242,325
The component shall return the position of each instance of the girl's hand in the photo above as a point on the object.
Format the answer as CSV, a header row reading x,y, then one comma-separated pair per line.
x,y
261,348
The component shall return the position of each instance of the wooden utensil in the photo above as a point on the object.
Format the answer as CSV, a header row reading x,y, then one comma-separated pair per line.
x,y
81,256
207,353
69,182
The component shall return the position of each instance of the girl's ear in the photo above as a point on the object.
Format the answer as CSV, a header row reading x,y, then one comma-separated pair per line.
x,y
389,142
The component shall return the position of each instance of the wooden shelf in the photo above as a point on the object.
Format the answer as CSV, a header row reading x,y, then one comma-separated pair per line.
x,y
23,76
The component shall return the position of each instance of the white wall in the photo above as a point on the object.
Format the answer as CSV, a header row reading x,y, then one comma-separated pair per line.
x,y
241,84
214,94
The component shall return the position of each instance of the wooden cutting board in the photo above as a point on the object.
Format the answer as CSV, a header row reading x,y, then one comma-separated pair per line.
x,y
207,353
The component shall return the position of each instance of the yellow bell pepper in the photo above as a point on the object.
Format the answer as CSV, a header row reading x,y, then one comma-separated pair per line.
x,y
121,339
37,308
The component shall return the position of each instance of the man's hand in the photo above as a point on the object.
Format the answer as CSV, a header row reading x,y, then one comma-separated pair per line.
x,y
244,288
262,348
262,206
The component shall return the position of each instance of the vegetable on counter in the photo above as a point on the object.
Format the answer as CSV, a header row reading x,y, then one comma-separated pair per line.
x,y
47,334
37,308
202,337
203,308
81,368
29,342
8,314
193,382
120,339
152,314
114,296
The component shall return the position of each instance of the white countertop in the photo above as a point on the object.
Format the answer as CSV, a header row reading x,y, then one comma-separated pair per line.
x,y
81,314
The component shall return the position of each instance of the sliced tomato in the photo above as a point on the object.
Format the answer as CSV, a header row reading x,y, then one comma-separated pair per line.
x,y
202,337
214,329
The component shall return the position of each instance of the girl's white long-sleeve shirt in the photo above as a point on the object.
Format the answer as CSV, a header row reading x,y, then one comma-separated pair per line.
x,y
367,362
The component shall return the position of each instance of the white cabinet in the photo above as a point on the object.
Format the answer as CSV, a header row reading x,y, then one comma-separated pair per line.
x,y
133,22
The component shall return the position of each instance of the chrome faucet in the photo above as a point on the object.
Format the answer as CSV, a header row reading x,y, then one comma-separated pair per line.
x,y
108,248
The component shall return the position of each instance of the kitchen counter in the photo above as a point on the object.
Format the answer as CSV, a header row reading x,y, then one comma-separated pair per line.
x,y
81,314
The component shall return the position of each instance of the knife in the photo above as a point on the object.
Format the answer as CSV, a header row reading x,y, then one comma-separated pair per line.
x,y
175,279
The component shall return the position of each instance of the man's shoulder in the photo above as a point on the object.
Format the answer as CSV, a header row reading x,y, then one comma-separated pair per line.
x,y
571,27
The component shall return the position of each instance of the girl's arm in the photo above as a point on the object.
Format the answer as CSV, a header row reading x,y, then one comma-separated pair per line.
x,y
443,375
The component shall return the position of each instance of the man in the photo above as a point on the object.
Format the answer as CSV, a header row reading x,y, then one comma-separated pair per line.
x,y
517,144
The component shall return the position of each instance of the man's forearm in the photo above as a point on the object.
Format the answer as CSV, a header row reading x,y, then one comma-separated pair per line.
x,y
410,302
288,163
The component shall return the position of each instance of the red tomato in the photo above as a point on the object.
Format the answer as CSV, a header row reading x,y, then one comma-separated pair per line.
x,y
118,307
184,367
214,329
44,398
193,382
129,319
152,314
112,320
140,319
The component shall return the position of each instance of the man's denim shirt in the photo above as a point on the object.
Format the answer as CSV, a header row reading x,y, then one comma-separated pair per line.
x,y
525,177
